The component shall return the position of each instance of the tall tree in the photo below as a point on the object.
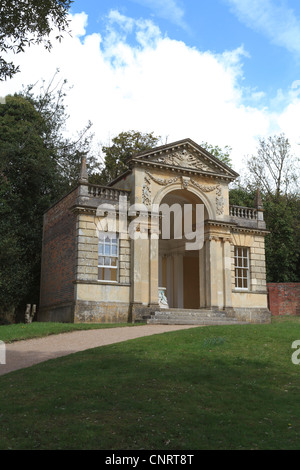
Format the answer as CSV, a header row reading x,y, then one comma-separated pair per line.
x,y
124,146
276,172
27,185
222,154
37,166
274,169
49,102
282,215
23,23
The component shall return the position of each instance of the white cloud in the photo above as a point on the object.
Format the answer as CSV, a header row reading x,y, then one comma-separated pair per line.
x,y
158,85
288,120
167,9
276,21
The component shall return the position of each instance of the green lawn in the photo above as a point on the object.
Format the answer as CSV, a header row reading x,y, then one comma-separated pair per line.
x,y
220,387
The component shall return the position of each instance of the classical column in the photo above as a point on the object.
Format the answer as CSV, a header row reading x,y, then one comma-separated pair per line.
x,y
202,278
178,280
140,274
153,268
227,273
214,273
170,271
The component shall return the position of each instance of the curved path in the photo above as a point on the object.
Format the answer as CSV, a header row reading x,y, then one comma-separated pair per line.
x,y
21,354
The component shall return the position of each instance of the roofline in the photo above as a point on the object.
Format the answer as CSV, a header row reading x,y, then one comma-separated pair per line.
x,y
188,142
120,177
61,198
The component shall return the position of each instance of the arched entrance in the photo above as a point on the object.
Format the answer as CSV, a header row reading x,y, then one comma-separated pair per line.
x,y
181,271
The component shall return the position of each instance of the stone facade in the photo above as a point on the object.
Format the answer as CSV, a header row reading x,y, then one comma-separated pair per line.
x,y
118,279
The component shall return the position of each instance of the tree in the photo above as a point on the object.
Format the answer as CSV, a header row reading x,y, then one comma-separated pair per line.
x,y
282,215
124,146
37,167
66,151
27,184
23,23
239,196
222,154
274,169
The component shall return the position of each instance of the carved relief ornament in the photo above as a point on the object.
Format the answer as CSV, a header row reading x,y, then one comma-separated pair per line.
x,y
183,159
147,199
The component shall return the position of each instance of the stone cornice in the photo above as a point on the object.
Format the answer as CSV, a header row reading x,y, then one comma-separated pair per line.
x,y
78,209
256,231
180,170
186,150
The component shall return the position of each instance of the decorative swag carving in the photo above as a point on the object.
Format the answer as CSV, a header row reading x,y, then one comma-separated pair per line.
x,y
147,194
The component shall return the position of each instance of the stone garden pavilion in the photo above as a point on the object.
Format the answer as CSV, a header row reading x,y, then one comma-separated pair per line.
x,y
91,273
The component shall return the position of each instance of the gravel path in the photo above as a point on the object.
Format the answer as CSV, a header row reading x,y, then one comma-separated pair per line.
x,y
21,354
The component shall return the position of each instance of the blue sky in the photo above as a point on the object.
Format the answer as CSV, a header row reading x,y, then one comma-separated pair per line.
x,y
218,25
222,71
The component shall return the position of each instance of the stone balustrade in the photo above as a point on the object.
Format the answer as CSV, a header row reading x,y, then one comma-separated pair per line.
x,y
249,213
106,193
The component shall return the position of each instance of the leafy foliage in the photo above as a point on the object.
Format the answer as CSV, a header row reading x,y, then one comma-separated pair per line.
x,y
37,166
238,196
66,151
222,154
276,172
23,23
274,169
282,217
124,146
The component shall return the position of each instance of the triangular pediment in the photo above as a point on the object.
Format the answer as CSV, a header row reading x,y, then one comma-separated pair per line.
x,y
185,155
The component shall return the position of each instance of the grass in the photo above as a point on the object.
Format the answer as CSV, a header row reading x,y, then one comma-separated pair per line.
x,y
219,387
21,331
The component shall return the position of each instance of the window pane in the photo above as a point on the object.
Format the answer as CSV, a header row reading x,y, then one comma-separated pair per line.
x,y
107,274
100,274
114,261
108,257
241,261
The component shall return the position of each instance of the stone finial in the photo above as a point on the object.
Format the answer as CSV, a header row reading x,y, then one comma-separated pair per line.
x,y
83,177
258,200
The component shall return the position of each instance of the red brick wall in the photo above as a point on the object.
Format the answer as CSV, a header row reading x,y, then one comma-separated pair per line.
x,y
59,253
284,299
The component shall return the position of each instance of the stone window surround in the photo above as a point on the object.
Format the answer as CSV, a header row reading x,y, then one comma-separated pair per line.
x,y
102,241
242,267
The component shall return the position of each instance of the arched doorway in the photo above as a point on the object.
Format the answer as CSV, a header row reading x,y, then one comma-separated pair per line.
x,y
181,271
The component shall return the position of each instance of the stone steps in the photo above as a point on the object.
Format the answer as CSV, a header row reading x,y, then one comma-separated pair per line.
x,y
191,317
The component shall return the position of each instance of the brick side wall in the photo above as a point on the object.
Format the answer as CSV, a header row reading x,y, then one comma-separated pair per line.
x,y
284,299
59,253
